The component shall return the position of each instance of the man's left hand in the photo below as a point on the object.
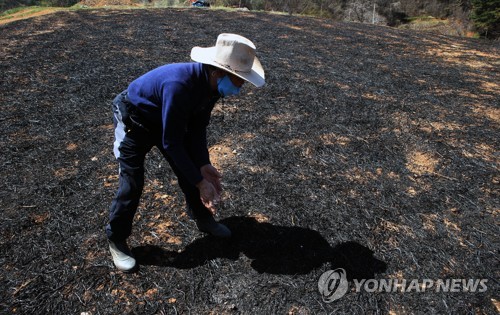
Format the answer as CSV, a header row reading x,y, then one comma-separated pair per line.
x,y
212,175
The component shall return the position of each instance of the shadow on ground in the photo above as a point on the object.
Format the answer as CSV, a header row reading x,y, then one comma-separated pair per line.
x,y
273,249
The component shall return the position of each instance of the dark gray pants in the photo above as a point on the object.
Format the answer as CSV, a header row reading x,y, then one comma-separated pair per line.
x,y
132,142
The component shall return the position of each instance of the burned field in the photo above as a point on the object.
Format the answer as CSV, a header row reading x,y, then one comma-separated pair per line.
x,y
369,149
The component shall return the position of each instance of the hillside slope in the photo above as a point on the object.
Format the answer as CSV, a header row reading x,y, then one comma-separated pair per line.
x,y
370,149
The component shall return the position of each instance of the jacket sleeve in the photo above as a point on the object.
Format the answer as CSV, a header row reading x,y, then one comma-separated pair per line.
x,y
175,116
196,139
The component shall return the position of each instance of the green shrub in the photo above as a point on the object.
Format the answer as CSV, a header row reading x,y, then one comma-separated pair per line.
x,y
486,17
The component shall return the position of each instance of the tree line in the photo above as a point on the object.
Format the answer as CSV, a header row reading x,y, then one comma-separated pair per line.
x,y
482,16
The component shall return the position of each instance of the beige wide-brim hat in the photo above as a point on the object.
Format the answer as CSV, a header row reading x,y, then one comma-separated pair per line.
x,y
234,54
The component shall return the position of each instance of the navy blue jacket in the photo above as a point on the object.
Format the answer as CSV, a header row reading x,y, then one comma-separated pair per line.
x,y
176,101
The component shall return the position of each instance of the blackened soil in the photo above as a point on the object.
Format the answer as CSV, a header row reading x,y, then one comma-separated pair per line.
x,y
369,149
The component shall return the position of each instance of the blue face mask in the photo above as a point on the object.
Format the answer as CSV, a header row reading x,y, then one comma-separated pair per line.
x,y
226,87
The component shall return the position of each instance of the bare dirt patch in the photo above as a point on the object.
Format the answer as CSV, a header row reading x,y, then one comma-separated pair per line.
x,y
369,148
26,14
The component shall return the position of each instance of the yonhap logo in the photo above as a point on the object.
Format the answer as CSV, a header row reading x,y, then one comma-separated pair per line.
x,y
333,285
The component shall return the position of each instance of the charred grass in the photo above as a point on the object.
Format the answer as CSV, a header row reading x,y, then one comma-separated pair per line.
x,y
369,148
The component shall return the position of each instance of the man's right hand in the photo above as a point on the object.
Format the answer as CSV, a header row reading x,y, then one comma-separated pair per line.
x,y
209,195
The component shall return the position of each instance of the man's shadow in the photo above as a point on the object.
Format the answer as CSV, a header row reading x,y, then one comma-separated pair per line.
x,y
272,249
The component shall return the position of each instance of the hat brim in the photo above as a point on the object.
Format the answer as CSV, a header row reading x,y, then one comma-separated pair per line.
x,y
206,55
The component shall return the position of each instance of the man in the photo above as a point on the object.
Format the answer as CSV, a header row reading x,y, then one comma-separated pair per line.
x,y
169,107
